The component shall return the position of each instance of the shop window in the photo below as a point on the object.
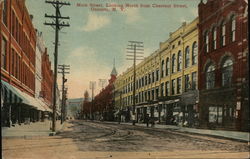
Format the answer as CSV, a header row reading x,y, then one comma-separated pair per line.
x,y
227,73
215,115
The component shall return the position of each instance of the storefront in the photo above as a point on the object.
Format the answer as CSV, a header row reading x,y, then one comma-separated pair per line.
x,y
18,107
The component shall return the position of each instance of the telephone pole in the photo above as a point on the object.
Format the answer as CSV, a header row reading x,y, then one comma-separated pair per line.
x,y
135,52
63,68
92,87
57,24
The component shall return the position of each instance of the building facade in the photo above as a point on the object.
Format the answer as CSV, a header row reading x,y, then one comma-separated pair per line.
x,y
162,79
223,64
18,64
47,80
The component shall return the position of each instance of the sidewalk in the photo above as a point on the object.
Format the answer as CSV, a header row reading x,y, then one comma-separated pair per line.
x,y
235,135
31,130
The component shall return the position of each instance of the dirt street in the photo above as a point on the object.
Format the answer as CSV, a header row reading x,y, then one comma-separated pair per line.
x,y
87,140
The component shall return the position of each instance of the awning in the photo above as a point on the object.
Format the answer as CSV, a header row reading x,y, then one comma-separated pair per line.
x,y
11,94
24,98
171,101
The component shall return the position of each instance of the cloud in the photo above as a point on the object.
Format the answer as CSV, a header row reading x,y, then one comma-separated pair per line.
x,y
96,22
132,15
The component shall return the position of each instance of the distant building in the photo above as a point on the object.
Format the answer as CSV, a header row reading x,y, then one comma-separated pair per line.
x,y
74,106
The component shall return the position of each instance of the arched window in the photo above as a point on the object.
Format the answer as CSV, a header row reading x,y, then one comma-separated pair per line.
x,y
194,53
233,28
210,76
206,42
167,66
173,63
187,57
223,34
162,68
227,72
214,37
179,61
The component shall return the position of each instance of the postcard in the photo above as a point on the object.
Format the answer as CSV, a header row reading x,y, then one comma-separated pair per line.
x,y
124,79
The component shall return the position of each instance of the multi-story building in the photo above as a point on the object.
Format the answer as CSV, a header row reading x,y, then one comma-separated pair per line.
x,y
223,64
164,80
47,80
18,43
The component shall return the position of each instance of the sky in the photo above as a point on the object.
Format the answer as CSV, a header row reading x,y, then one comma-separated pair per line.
x,y
95,38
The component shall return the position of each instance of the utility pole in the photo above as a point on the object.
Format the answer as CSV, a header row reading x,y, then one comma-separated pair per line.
x,y
92,87
135,52
57,24
63,68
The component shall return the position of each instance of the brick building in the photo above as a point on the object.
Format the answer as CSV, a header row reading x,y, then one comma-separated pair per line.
x,y
18,45
47,79
223,64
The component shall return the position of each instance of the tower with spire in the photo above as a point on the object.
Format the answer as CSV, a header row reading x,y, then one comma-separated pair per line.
x,y
113,73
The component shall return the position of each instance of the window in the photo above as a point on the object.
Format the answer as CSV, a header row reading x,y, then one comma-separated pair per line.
x,y
5,12
187,82
149,78
13,62
167,89
215,114
233,28
153,77
178,85
142,81
145,96
157,75
194,53
187,57
146,80
227,72
173,63
162,89
206,42
210,77
167,66
179,60
173,86
4,54
162,68
153,94
149,95
194,80
214,36
223,34
157,92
